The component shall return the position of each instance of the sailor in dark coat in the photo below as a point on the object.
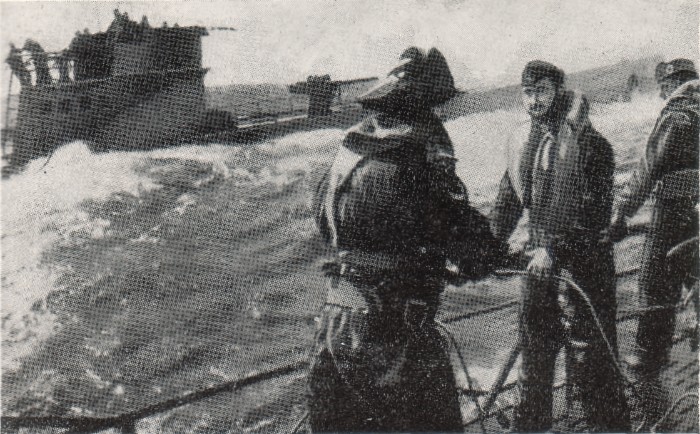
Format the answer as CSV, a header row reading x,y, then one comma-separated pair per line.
x,y
560,170
40,60
396,213
18,67
670,170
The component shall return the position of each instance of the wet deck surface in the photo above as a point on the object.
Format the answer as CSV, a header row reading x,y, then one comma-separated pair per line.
x,y
677,381
185,268
487,351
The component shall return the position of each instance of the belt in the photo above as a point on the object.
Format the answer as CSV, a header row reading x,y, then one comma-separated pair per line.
x,y
343,290
347,296
378,261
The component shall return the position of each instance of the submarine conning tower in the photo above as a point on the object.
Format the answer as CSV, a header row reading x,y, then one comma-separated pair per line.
x,y
133,86
126,48
139,48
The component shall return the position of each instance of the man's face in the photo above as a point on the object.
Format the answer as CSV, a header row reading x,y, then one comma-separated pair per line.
x,y
538,98
667,87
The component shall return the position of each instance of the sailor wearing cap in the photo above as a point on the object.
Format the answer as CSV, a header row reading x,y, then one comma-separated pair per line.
x,y
672,75
560,169
669,169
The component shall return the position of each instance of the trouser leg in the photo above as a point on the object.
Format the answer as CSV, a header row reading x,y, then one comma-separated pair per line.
x,y
396,377
660,285
333,405
418,394
422,397
425,399
539,340
655,327
660,280
592,368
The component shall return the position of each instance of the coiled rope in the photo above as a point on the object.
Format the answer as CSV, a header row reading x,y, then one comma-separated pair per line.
x,y
611,350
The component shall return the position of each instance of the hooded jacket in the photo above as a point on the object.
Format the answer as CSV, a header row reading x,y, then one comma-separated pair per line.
x,y
392,193
671,159
561,170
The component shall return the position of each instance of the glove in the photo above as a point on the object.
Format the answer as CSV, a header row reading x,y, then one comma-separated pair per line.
x,y
541,264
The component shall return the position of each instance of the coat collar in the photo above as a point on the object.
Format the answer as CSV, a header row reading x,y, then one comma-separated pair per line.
x,y
689,89
686,97
575,119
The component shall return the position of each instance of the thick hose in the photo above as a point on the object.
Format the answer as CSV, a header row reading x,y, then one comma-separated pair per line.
x,y
673,407
678,248
587,300
611,350
115,421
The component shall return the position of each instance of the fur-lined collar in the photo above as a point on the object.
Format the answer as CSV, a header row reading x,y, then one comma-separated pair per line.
x,y
689,89
426,136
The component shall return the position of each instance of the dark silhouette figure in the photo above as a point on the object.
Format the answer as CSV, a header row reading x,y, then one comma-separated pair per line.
x,y
14,59
41,62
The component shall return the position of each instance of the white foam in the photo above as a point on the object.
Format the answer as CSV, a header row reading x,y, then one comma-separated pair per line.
x,y
480,142
42,205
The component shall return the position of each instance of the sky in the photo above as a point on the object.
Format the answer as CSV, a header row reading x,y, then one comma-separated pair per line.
x,y
486,42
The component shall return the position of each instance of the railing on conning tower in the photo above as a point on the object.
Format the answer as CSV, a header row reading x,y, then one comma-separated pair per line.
x,y
30,67
39,69
7,130
125,48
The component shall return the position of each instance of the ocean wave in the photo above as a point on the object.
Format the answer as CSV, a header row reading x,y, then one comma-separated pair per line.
x,y
146,200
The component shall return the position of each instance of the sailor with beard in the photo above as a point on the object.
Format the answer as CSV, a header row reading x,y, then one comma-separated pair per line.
x,y
402,228
560,169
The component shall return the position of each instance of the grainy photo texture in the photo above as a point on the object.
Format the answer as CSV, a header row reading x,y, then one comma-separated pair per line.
x,y
350,216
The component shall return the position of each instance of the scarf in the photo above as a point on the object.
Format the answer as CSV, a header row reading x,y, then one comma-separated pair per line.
x,y
565,172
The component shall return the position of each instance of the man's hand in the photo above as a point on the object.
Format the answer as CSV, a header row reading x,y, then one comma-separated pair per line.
x,y
541,263
617,230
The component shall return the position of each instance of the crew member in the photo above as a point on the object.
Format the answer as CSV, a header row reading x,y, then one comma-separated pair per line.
x,y
63,65
560,169
18,67
396,213
41,62
669,168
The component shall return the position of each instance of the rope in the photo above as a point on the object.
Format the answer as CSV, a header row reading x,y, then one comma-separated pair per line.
x,y
625,315
474,397
611,351
300,423
47,160
678,248
672,408
589,304
473,313
127,419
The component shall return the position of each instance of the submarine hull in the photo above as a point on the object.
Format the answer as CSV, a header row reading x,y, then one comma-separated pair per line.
x,y
139,111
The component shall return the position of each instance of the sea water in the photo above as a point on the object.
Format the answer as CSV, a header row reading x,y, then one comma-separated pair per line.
x,y
233,213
